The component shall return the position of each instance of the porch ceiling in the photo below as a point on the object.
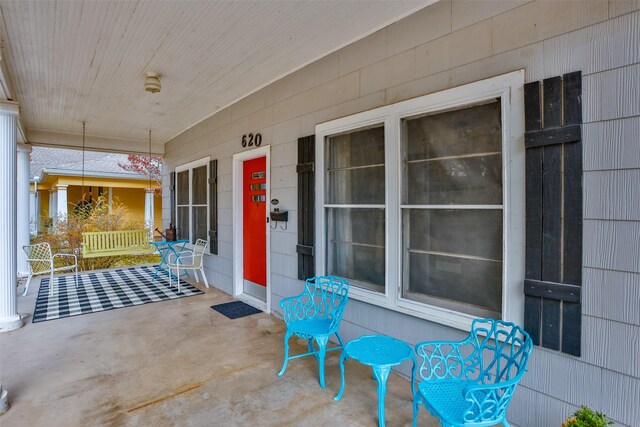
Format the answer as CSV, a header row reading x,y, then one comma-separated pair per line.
x,y
85,60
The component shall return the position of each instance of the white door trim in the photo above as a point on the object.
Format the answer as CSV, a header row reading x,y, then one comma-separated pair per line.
x,y
238,249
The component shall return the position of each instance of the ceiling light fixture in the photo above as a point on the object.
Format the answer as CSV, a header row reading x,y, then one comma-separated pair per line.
x,y
152,82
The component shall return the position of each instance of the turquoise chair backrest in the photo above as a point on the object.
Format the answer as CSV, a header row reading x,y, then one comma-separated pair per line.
x,y
502,350
327,296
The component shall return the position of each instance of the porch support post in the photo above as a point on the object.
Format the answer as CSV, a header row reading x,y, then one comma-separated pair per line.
x,y
53,209
148,210
110,200
9,317
23,216
62,201
33,212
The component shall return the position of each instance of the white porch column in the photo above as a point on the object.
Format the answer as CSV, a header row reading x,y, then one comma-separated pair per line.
x,y
52,203
148,210
110,200
9,317
61,202
23,216
33,213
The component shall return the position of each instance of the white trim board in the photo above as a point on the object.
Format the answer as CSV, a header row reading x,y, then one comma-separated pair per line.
x,y
238,271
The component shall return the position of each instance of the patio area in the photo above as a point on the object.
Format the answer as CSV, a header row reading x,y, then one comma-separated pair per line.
x,y
179,362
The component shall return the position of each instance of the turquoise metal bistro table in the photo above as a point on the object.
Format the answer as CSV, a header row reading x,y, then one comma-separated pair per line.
x,y
165,248
381,353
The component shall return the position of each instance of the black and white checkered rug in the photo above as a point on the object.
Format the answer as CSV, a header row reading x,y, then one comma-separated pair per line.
x,y
105,290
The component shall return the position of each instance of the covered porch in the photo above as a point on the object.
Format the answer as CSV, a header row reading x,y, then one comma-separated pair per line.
x,y
179,362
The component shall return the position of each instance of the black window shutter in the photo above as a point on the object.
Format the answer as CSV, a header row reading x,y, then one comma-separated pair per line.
x,y
213,206
553,278
172,198
306,206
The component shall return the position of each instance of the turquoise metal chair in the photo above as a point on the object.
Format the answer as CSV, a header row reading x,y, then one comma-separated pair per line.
x,y
315,315
471,382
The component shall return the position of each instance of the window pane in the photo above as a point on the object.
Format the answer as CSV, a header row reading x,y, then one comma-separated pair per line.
x,y
462,181
357,148
465,131
355,167
356,186
199,185
469,232
200,223
356,246
183,187
454,157
453,258
471,286
183,222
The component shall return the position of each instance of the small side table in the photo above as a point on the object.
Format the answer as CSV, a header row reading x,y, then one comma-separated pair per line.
x,y
165,248
381,353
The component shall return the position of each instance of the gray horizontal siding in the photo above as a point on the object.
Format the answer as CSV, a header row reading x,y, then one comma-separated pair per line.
x,y
612,194
612,144
446,45
613,295
612,245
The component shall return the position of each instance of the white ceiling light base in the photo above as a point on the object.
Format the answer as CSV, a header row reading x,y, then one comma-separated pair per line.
x,y
152,83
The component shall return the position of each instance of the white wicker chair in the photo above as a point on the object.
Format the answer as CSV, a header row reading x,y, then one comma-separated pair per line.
x,y
189,260
41,261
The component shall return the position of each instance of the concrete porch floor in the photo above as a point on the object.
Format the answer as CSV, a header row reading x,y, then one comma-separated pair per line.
x,y
180,363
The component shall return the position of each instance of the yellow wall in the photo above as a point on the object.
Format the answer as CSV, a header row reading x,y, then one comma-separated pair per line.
x,y
44,203
131,198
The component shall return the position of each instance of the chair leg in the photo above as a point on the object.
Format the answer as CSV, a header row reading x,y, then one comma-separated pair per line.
x,y
178,276
416,407
170,273
51,284
195,276
310,347
339,339
206,283
76,277
322,351
286,354
26,287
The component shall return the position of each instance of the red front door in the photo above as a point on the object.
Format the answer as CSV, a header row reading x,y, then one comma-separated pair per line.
x,y
254,207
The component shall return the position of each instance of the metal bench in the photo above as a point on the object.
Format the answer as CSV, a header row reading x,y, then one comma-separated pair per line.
x,y
115,243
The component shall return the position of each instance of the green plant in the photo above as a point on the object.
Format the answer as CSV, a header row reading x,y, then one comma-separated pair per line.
x,y
65,234
586,417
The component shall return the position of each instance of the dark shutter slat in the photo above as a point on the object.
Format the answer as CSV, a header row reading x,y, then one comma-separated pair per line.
x,y
552,106
172,198
551,207
552,290
572,214
571,328
572,87
532,317
532,106
553,136
306,207
213,206
551,323
533,168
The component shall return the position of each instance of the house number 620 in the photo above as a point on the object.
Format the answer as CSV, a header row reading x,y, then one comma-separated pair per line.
x,y
251,140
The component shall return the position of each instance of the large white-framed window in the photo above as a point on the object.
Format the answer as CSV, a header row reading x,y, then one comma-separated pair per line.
x,y
422,203
192,200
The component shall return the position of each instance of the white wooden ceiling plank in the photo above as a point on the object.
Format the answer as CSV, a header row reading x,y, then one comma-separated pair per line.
x,y
85,60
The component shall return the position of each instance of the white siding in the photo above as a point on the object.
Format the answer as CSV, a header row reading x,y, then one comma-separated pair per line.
x,y
446,45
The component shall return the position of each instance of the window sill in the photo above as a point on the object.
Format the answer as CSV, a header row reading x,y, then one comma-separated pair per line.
x,y
432,313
